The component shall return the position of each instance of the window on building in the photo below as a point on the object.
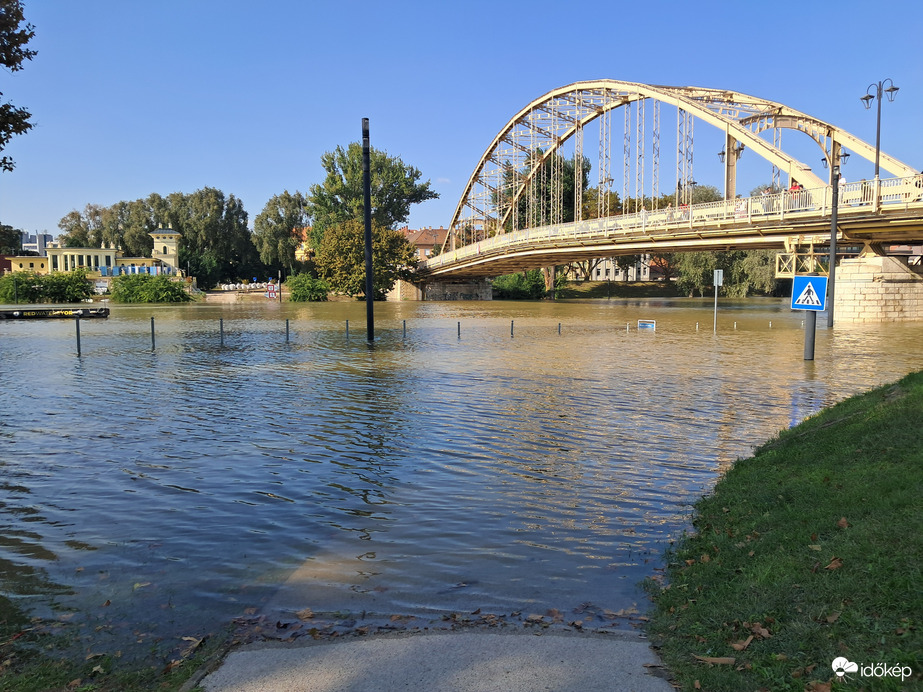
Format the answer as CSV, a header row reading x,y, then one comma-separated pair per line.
x,y
607,272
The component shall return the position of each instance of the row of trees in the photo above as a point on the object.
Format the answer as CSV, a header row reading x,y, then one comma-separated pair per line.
x,y
216,244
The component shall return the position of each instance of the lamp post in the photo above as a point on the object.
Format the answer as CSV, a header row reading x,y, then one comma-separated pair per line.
x,y
839,157
878,89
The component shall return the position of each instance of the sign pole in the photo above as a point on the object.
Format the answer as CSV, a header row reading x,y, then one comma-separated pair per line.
x,y
810,327
719,281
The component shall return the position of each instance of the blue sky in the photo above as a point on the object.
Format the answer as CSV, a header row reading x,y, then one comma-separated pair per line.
x,y
132,97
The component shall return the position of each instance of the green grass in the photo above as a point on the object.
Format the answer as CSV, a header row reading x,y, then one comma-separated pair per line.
x,y
38,656
618,289
813,546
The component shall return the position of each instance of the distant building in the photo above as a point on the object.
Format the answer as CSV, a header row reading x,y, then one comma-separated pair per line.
x,y
425,240
36,243
105,262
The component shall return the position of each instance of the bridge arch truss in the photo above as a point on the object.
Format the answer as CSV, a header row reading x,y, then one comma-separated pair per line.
x,y
518,181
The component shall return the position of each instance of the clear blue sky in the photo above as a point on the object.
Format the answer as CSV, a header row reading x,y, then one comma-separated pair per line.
x,y
132,97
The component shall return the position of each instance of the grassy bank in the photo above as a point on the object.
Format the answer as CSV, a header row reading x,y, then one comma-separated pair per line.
x,y
808,551
618,289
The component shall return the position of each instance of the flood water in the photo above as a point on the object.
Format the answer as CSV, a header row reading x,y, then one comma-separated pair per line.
x,y
155,494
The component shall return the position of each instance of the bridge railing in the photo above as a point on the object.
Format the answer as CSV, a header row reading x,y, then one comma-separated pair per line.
x,y
860,197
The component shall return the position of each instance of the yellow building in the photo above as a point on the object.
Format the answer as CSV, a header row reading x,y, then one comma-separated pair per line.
x,y
105,262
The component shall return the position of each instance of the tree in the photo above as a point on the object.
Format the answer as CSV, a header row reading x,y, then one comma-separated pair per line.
x,y
340,258
274,229
340,198
13,39
305,288
10,240
145,288
528,285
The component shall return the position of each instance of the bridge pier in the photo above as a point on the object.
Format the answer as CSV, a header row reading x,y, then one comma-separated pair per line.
x,y
874,288
459,289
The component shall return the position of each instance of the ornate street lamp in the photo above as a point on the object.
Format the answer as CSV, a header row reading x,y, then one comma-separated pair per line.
x,y
878,89
839,158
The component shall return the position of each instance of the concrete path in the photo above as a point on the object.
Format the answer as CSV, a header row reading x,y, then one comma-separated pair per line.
x,y
445,662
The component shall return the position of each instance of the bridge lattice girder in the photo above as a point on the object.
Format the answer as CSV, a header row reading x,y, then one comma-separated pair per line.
x,y
549,121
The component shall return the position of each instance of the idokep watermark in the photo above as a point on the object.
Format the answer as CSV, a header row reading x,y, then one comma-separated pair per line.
x,y
843,666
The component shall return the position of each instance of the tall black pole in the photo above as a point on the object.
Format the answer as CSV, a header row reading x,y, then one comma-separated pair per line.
x,y
831,262
367,193
878,131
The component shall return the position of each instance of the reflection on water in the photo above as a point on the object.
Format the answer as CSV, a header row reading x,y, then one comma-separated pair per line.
x,y
419,475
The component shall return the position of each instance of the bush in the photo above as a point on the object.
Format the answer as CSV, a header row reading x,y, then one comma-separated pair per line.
x,y
527,286
305,288
60,287
145,288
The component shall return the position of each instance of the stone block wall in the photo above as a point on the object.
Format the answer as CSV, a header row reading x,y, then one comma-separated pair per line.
x,y
877,289
475,289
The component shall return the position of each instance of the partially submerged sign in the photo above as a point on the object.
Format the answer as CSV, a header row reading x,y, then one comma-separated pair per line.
x,y
647,324
809,293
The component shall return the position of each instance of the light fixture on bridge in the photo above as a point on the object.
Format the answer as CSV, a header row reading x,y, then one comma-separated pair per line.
x,y
738,150
841,159
875,91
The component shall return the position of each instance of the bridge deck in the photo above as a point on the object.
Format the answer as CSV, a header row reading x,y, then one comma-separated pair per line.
x,y
893,214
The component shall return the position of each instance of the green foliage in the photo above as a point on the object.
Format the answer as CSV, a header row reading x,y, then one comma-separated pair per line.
x,y
274,229
341,258
14,35
59,287
215,243
146,288
305,288
807,551
10,240
340,198
528,285
745,272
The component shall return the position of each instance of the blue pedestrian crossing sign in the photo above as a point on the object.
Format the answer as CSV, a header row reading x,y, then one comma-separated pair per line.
x,y
809,293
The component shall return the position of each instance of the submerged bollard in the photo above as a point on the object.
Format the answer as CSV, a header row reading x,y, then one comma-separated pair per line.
x,y
559,329
347,329
405,329
628,326
77,323
286,331
770,324
152,334
697,326
221,329
511,328
735,325
459,330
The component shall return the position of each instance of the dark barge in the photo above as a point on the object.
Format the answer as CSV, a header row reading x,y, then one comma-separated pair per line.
x,y
53,313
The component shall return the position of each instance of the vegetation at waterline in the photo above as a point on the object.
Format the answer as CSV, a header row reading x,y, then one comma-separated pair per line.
x,y
809,551
528,285
37,656
146,288
618,289
305,288
60,287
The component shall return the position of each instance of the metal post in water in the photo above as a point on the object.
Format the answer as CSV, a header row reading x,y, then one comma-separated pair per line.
x,y
809,334
831,262
77,322
459,330
367,194
405,329
511,328
286,331
559,329
221,329
152,333
347,329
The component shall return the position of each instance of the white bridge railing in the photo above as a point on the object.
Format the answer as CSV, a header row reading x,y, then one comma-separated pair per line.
x,y
862,197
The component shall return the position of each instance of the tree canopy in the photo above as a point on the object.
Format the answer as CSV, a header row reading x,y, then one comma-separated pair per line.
x,y
394,187
340,258
14,35
215,244
274,229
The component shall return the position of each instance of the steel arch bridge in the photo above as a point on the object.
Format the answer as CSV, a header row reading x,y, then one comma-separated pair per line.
x,y
525,207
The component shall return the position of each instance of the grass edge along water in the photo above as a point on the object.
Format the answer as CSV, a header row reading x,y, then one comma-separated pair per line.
x,y
808,553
